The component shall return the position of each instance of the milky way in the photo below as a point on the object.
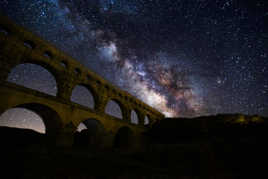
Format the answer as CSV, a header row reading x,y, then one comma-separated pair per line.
x,y
184,57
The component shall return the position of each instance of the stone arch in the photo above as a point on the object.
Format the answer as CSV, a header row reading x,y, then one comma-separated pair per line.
x,y
91,136
81,127
114,108
50,118
34,76
134,117
146,120
123,138
22,118
87,96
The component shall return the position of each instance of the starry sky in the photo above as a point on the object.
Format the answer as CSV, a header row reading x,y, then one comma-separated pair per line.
x,y
185,58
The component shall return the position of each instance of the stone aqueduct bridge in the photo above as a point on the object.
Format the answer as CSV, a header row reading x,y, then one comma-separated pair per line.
x,y
61,116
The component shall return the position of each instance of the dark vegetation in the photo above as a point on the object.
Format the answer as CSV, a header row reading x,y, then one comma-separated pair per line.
x,y
222,146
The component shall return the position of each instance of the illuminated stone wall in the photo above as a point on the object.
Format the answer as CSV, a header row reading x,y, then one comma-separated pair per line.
x,y
60,115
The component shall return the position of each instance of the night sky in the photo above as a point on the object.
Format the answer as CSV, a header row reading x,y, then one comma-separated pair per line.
x,y
185,58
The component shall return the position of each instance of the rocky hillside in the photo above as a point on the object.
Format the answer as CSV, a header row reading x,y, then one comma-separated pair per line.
x,y
222,146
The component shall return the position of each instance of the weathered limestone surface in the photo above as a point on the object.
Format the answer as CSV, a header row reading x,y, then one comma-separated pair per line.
x,y
60,115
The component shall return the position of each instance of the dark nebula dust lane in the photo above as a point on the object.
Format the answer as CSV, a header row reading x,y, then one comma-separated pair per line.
x,y
185,58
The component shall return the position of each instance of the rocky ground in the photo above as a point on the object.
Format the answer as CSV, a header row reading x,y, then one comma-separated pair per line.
x,y
223,146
